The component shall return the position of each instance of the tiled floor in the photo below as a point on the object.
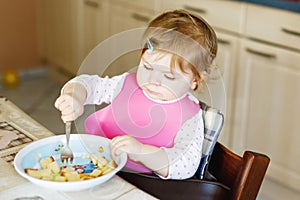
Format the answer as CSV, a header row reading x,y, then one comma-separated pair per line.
x,y
36,95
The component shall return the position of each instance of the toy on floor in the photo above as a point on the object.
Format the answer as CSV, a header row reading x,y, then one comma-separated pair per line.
x,y
10,78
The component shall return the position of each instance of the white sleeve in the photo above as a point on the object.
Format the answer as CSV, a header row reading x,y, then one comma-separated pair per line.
x,y
100,90
184,157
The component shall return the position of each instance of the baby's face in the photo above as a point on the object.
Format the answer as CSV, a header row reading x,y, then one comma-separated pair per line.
x,y
154,76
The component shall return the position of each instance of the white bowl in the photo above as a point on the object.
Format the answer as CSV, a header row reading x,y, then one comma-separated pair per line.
x,y
81,144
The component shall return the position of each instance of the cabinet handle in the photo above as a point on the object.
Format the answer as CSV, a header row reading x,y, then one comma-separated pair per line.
x,y
291,32
140,17
91,4
225,42
193,9
262,54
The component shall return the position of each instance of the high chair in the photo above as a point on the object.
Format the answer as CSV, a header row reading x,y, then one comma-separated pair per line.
x,y
222,174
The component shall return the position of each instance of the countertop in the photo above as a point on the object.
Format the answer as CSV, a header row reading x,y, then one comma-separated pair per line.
x,y
289,5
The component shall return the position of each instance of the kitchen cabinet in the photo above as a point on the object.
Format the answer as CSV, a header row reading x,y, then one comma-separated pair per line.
x,y
129,18
59,28
95,23
284,31
267,108
267,97
213,12
70,29
222,87
219,91
126,16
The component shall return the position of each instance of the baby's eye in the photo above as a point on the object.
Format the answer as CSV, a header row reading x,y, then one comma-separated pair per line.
x,y
169,76
148,67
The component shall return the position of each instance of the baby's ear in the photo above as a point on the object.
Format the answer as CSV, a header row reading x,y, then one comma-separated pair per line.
x,y
198,82
194,84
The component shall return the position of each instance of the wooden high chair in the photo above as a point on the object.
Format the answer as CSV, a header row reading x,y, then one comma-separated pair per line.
x,y
223,174
242,175
235,178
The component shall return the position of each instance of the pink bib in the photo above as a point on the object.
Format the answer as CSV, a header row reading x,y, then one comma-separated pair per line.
x,y
150,122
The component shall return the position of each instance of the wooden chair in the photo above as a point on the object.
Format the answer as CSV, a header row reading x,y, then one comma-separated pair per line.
x,y
222,174
242,175
231,177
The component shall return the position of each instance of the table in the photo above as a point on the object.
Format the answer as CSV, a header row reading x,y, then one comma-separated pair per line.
x,y
13,186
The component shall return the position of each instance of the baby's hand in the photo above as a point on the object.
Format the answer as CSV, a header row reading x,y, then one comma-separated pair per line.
x,y
69,107
126,144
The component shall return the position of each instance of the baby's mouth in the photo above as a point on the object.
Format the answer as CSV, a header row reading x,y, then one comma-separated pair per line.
x,y
153,94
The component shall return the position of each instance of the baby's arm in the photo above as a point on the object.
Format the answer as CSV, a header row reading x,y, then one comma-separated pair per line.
x,y
179,162
100,90
152,157
184,157
86,89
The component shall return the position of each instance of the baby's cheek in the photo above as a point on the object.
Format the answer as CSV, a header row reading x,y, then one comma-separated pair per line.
x,y
142,79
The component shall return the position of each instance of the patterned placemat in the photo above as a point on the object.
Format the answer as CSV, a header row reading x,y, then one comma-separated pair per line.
x,y
9,158
8,152
22,138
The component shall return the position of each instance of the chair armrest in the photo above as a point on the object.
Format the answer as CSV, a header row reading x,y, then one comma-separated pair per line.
x,y
244,175
250,176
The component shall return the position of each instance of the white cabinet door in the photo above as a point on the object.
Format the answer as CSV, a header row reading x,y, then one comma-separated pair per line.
x,y
221,86
58,32
228,52
95,23
267,111
126,19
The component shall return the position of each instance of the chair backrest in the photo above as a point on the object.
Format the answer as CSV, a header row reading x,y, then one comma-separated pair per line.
x,y
243,175
213,121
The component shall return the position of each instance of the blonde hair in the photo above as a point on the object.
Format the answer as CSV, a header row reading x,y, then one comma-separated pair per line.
x,y
188,37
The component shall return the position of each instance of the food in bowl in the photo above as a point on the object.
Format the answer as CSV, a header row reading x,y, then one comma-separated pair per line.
x,y
51,170
86,148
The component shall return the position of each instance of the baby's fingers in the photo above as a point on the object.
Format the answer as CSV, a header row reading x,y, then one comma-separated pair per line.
x,y
117,146
58,102
62,102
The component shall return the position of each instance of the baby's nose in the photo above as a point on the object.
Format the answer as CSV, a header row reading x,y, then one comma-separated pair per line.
x,y
155,78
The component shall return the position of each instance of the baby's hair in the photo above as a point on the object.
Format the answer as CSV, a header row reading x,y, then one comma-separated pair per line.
x,y
190,39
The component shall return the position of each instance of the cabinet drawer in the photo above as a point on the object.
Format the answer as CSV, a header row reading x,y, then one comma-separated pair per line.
x,y
226,15
273,25
146,4
129,18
